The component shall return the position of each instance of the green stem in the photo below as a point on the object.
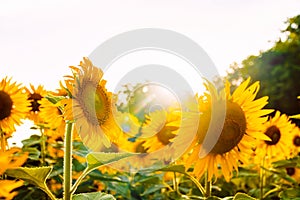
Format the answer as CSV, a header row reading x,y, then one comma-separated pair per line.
x,y
80,178
196,182
175,184
68,162
43,146
50,194
207,186
261,177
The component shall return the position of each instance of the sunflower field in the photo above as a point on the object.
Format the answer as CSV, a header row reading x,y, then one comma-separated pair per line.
x,y
91,146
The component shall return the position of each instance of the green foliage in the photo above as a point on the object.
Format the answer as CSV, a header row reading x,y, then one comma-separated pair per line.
x,y
97,159
36,176
92,196
277,69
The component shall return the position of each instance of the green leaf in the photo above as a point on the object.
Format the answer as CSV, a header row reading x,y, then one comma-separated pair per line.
x,y
92,196
242,196
153,189
33,140
291,193
103,177
97,159
54,99
33,153
284,164
36,176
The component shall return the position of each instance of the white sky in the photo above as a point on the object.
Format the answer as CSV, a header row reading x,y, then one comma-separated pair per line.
x,y
40,39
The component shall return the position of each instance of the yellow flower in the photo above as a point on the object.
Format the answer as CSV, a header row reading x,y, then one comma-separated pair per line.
x,y
243,123
7,187
52,118
34,97
130,141
295,142
294,172
279,129
162,127
54,186
13,105
9,160
91,107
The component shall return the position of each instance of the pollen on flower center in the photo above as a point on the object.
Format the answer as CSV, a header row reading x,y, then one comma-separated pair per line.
x,y
233,130
34,102
296,141
6,105
274,134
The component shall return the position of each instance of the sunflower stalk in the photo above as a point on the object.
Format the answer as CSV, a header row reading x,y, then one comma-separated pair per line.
x,y
196,182
43,146
262,178
79,180
207,186
68,162
175,184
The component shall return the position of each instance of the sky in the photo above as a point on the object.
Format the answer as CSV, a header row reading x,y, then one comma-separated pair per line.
x,y
40,39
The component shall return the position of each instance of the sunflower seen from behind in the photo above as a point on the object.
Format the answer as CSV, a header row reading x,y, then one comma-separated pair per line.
x,y
279,129
242,125
13,105
91,106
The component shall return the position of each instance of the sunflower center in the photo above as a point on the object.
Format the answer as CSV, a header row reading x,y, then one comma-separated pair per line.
x,y
95,103
296,141
290,171
140,148
233,130
165,134
6,105
34,98
274,134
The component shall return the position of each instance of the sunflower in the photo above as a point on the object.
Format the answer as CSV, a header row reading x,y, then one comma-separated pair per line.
x,y
34,96
53,119
91,107
295,142
125,143
243,123
129,140
7,188
9,159
294,172
13,105
279,128
162,127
